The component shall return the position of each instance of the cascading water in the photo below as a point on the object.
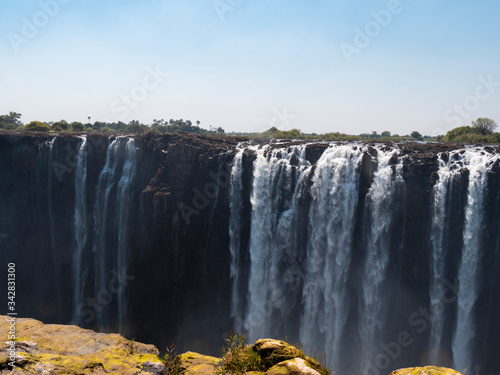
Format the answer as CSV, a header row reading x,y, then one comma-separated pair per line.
x,y
478,162
50,167
81,227
107,180
277,175
449,175
281,177
380,206
236,208
111,252
331,224
124,198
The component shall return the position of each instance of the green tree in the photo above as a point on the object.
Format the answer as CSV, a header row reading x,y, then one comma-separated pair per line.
x,y
271,131
135,126
60,125
484,125
220,130
386,134
37,126
77,126
10,121
415,134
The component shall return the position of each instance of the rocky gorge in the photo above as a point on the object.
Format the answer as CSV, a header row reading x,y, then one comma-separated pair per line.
x,y
383,256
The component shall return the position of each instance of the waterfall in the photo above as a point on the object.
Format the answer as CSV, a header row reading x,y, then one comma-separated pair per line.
x,y
110,247
124,200
81,227
381,200
331,223
478,162
107,180
277,174
50,166
449,174
236,207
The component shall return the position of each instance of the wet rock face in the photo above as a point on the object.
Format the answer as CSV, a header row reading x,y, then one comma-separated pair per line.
x,y
60,349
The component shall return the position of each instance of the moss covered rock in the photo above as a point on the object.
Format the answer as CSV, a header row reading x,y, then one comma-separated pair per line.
x,y
296,366
194,363
66,349
273,352
428,370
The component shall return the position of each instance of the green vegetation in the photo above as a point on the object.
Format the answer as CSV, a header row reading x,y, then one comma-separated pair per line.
x,y
273,356
37,126
172,361
10,121
481,131
238,357
131,346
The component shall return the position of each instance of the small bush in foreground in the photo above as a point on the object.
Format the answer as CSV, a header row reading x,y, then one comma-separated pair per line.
x,y
172,361
238,357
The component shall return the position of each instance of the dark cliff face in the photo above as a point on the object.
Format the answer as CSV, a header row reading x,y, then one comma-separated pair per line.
x,y
177,275
169,281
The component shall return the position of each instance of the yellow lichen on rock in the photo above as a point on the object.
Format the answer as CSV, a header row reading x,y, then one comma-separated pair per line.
x,y
296,366
67,349
194,363
428,370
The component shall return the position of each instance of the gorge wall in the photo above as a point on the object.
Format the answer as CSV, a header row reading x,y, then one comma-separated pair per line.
x,y
382,256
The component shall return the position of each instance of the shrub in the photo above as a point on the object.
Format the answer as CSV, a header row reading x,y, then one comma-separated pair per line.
x,y
37,126
238,358
77,126
172,361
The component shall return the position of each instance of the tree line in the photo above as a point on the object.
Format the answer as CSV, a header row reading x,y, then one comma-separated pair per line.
x,y
480,130
12,121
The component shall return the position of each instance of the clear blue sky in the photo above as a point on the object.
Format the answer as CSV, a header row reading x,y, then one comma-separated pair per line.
x,y
246,65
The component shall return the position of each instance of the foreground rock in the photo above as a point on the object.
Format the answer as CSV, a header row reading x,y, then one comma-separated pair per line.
x,y
270,357
63,349
428,370
194,363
